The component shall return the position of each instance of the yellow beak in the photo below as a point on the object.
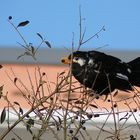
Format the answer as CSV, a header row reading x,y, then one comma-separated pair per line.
x,y
65,60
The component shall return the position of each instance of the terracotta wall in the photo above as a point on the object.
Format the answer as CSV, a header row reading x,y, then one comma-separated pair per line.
x,y
24,72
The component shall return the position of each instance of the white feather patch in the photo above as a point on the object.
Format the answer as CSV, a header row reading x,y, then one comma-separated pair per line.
x,y
97,71
121,76
81,61
90,62
129,70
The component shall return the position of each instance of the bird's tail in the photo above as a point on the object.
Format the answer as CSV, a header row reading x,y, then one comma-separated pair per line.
x,y
135,71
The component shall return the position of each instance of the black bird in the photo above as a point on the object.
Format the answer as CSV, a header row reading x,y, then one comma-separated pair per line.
x,y
104,73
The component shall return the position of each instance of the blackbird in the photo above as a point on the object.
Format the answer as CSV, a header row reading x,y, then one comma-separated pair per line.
x,y
103,73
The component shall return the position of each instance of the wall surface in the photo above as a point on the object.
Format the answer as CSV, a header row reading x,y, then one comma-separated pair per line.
x,y
53,56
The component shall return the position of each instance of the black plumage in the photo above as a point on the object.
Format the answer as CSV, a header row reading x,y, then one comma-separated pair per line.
x,y
104,73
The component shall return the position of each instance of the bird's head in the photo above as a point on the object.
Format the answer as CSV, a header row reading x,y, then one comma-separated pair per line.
x,y
78,58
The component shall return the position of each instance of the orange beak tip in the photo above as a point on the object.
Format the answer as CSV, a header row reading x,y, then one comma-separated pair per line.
x,y
65,60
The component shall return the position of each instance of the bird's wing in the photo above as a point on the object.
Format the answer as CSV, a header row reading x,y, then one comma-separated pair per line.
x,y
106,63
110,65
99,56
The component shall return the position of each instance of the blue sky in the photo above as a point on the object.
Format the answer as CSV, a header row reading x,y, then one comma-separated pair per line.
x,y
56,20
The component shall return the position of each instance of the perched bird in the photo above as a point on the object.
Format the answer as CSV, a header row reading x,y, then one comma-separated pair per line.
x,y
103,73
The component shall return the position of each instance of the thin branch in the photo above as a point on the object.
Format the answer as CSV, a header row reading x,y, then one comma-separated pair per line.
x,y
95,35
112,106
26,47
69,92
